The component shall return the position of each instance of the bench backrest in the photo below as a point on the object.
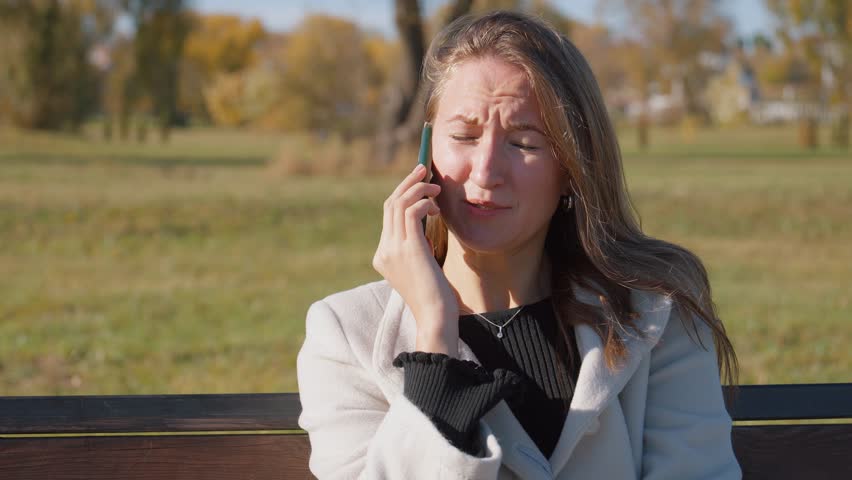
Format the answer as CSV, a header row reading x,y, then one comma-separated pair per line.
x,y
257,436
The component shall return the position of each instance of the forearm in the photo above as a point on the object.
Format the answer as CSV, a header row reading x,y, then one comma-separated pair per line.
x,y
438,333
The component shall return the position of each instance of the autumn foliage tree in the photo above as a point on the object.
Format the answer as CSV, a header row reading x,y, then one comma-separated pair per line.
x,y
822,31
218,46
46,80
121,96
323,77
161,30
328,77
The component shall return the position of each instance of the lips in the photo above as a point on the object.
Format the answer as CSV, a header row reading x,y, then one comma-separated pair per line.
x,y
482,209
485,205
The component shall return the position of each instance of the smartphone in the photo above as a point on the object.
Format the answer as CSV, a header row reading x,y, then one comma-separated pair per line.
x,y
425,157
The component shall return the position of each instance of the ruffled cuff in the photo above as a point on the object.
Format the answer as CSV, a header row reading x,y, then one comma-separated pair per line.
x,y
455,393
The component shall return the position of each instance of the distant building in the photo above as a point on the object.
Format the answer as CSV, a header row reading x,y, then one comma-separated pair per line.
x,y
661,108
733,93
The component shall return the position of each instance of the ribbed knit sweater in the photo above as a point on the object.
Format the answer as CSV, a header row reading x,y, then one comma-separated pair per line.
x,y
523,368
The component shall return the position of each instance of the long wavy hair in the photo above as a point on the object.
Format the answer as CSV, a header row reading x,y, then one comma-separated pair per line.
x,y
599,244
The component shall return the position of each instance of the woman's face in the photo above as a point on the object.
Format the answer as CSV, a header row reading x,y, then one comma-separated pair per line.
x,y
489,145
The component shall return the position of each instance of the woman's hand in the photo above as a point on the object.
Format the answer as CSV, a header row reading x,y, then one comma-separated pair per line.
x,y
404,257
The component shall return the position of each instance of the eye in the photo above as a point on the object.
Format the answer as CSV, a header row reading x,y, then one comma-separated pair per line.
x,y
524,146
463,138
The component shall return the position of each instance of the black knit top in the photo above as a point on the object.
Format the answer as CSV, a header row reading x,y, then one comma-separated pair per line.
x,y
523,368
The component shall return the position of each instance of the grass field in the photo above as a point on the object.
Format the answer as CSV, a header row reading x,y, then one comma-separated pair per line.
x,y
189,267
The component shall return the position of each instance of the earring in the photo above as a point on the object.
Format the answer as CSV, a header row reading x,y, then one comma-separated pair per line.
x,y
566,202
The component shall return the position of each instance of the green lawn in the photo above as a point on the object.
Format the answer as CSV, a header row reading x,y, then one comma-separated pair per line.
x,y
189,267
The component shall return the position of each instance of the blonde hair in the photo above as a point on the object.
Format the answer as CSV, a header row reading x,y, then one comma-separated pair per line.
x,y
599,244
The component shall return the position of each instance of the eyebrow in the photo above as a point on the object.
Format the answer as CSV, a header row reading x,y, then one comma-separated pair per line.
x,y
513,126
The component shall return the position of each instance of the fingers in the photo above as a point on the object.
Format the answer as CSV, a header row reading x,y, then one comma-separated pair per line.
x,y
415,213
417,192
416,175
403,211
390,225
404,203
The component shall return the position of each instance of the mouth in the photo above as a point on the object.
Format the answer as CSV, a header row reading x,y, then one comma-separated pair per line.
x,y
480,205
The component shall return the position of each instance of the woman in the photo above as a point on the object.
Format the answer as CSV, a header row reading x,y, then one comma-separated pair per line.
x,y
534,331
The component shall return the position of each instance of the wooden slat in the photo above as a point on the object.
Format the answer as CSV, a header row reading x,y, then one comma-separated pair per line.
x,y
774,451
194,457
188,413
781,452
793,402
149,413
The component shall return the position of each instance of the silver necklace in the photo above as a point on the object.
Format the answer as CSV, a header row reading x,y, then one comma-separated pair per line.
x,y
500,327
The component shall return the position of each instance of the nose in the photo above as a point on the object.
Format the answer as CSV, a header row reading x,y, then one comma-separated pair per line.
x,y
487,168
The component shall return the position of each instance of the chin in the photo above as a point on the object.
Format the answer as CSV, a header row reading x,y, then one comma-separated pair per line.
x,y
496,238
481,240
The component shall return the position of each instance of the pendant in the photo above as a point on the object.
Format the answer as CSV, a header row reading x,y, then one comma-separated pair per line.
x,y
500,332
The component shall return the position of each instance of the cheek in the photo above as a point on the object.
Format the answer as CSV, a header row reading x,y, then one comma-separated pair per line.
x,y
446,161
449,168
542,169
539,179
448,171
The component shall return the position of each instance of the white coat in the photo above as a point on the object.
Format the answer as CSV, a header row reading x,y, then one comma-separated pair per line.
x,y
659,416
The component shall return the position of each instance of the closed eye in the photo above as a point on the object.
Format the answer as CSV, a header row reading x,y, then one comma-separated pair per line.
x,y
524,146
469,138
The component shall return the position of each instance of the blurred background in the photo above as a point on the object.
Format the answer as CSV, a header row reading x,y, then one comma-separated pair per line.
x,y
179,180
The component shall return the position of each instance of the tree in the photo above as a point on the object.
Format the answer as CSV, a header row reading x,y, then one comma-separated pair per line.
x,y
121,93
46,81
324,76
677,32
400,121
787,68
605,55
642,66
223,43
328,77
251,96
546,10
217,45
224,99
161,30
822,31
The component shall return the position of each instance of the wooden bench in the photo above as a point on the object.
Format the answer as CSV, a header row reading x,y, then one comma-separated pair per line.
x,y
255,436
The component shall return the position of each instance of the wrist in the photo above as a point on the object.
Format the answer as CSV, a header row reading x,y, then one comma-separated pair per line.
x,y
438,340
435,345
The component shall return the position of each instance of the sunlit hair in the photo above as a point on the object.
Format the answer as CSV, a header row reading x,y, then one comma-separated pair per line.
x,y
598,245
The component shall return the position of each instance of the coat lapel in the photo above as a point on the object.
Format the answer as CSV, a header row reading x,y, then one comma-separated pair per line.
x,y
597,385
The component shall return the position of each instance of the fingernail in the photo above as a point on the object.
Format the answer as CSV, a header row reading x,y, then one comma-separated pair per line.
x,y
419,167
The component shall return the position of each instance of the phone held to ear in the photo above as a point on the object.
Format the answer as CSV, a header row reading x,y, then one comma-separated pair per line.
x,y
425,157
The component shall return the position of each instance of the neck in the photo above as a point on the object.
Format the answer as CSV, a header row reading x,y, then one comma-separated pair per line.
x,y
486,282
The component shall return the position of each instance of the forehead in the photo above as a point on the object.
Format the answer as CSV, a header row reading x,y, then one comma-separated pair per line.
x,y
483,83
